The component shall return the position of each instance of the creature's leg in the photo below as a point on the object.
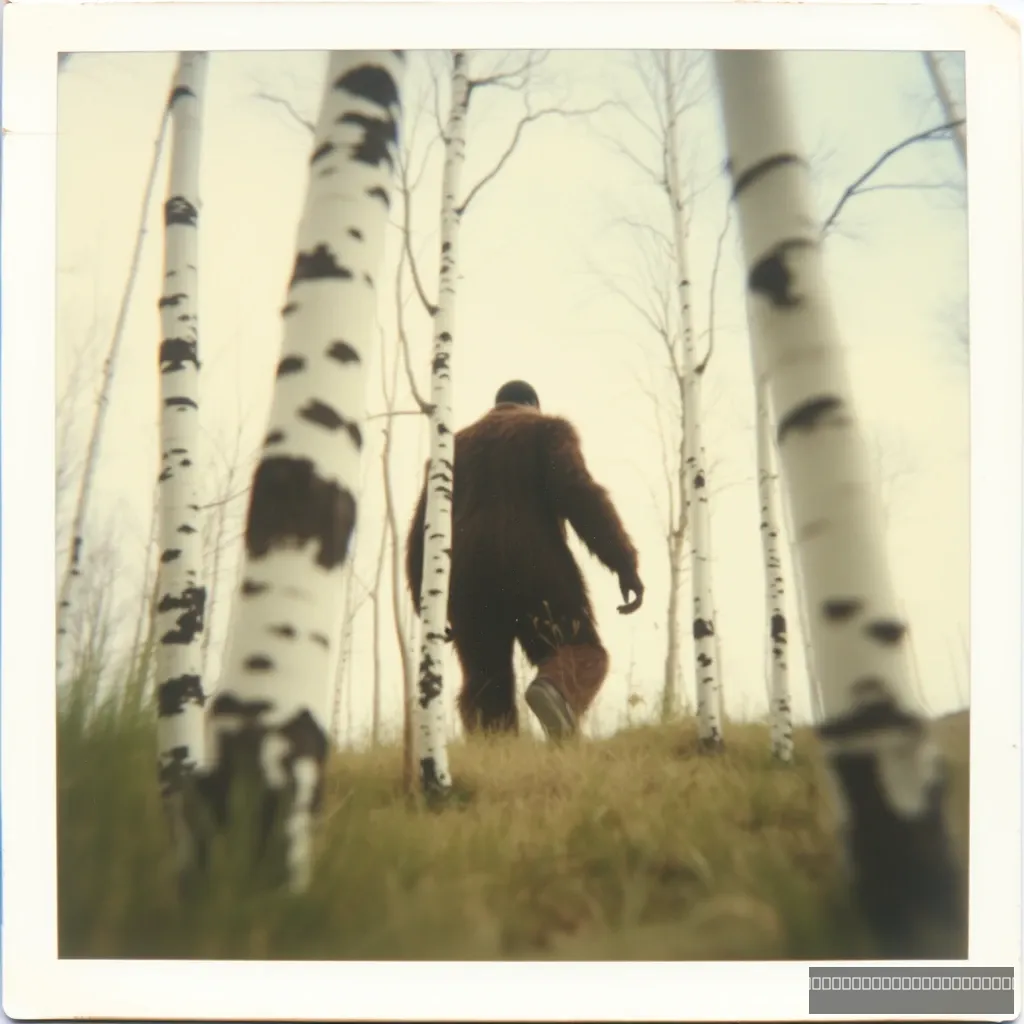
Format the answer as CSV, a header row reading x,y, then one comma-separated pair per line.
x,y
487,702
562,642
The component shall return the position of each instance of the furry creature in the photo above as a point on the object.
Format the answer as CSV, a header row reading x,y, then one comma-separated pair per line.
x,y
519,478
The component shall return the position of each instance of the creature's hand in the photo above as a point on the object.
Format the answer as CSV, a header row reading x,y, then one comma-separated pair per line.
x,y
630,581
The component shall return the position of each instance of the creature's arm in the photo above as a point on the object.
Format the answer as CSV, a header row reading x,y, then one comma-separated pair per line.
x,y
588,508
414,548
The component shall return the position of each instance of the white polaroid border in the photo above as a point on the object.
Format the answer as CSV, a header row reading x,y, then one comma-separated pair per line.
x,y
38,985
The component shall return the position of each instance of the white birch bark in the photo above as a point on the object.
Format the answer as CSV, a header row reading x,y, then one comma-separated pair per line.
x,y
73,571
180,608
949,108
709,722
886,770
432,752
774,586
269,721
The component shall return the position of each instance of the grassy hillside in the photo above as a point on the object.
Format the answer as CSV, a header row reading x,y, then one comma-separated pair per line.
x,y
628,848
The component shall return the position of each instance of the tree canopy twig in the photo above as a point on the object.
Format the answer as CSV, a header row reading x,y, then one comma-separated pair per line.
x,y
855,188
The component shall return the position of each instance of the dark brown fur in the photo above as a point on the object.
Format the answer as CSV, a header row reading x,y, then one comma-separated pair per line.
x,y
519,477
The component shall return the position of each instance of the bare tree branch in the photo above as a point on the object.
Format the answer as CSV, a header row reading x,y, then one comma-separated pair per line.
x,y
529,118
406,189
703,365
940,132
288,106
425,406
517,79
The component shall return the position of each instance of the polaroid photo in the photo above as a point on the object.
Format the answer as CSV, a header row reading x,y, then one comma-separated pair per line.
x,y
530,495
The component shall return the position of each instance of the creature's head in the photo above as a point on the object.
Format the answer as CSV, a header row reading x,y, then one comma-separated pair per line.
x,y
517,392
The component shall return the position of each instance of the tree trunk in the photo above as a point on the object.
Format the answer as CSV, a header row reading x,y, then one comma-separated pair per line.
x,y
180,609
397,588
949,109
886,768
72,573
709,723
432,751
269,721
673,664
774,589
381,556
344,653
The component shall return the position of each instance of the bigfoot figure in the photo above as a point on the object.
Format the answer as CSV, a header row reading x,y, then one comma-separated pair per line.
x,y
519,476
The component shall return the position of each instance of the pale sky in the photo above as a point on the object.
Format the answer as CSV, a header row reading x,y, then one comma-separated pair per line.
x,y
537,249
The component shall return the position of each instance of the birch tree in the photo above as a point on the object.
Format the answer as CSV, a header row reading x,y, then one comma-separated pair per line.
x,y
179,622
73,570
949,107
780,714
432,751
887,772
267,727
709,718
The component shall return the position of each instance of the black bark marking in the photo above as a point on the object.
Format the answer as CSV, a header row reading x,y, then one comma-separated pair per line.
x,y
430,682
905,875
171,300
251,588
703,628
810,414
291,503
324,149
175,768
319,265
324,416
258,663
840,609
229,704
165,474
772,277
170,555
319,638
380,193
274,437
192,604
288,632
778,628
881,714
343,352
886,631
699,481
185,528
174,694
759,170
379,135
429,779
178,210
371,83
355,233
704,660
175,353
290,364
181,403
289,308
179,92
239,754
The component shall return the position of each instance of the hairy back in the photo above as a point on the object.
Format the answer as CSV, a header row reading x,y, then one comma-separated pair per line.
x,y
500,497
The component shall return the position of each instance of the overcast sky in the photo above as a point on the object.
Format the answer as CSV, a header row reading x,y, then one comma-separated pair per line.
x,y
542,250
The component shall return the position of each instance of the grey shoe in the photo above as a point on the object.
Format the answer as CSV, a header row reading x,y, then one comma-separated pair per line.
x,y
551,709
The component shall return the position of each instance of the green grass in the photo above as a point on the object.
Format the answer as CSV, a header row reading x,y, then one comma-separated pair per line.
x,y
632,847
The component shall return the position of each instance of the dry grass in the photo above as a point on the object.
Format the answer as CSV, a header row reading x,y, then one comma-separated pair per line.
x,y
628,848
